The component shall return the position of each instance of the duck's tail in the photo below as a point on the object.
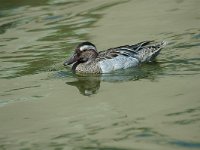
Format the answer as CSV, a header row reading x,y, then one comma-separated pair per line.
x,y
150,50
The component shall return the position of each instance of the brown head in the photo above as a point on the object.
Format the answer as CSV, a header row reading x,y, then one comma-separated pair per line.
x,y
84,52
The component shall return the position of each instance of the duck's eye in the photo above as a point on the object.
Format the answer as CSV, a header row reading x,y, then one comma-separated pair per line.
x,y
83,50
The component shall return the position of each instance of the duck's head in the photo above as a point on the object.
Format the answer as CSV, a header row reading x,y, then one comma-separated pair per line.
x,y
84,52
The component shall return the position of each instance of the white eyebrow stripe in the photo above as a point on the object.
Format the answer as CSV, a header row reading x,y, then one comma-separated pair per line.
x,y
87,47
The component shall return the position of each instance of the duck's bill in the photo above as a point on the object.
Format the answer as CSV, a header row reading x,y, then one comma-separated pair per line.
x,y
71,60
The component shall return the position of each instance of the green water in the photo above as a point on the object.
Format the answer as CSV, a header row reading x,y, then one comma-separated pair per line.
x,y
45,106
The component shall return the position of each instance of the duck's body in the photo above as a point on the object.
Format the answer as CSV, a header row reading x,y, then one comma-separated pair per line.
x,y
86,59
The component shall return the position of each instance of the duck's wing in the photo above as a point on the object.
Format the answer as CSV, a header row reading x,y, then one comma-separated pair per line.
x,y
126,50
143,51
147,51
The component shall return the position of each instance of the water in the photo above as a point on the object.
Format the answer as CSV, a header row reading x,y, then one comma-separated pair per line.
x,y
45,106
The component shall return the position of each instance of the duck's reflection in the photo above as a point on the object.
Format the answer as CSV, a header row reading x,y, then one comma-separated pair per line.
x,y
87,85
90,84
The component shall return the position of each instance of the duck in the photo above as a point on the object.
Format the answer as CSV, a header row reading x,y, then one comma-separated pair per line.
x,y
86,58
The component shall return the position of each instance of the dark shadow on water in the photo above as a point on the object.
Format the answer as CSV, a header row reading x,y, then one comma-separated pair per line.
x,y
89,84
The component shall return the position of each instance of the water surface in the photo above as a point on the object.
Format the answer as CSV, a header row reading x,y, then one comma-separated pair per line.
x,y
45,106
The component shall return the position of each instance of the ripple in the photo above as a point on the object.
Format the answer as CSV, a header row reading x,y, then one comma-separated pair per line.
x,y
44,33
185,144
187,111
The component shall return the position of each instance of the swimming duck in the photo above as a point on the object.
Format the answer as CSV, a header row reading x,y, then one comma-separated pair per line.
x,y
86,58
